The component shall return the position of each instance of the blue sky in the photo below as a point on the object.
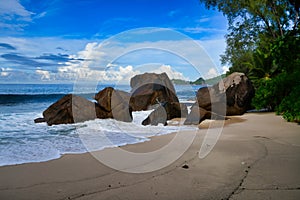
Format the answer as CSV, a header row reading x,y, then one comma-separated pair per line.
x,y
101,40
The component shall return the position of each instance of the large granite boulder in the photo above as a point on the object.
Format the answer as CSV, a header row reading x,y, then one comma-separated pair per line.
x,y
160,79
231,96
71,109
115,102
149,89
239,93
234,94
166,111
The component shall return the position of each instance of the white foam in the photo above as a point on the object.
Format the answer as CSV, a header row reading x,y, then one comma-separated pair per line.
x,y
187,101
23,141
100,133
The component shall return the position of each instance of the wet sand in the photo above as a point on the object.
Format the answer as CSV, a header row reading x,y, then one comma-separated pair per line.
x,y
256,157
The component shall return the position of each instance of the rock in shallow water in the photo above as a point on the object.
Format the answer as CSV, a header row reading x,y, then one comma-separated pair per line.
x,y
149,89
166,111
116,102
197,115
158,116
39,120
70,109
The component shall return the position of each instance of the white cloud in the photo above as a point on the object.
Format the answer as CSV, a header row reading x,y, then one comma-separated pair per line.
x,y
203,19
186,51
120,74
211,73
11,8
127,73
203,30
172,13
111,65
225,69
91,54
95,58
117,60
35,46
170,72
14,16
40,15
5,71
45,75
100,60
113,75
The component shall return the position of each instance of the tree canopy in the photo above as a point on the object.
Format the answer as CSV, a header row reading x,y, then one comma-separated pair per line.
x,y
263,42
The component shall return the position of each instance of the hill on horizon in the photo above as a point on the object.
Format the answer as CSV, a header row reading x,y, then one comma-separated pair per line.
x,y
199,81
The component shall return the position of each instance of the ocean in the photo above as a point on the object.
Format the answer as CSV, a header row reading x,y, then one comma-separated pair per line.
x,y
23,141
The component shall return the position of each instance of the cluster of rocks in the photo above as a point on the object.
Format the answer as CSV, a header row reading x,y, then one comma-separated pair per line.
x,y
154,91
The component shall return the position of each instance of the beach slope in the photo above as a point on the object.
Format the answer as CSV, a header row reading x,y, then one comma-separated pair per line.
x,y
257,158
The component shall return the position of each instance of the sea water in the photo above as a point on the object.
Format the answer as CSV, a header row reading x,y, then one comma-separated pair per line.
x,y
23,141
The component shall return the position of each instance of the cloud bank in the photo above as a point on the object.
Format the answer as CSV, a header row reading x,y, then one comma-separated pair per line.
x,y
63,60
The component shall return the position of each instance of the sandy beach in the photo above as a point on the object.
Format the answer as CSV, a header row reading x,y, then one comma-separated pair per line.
x,y
256,157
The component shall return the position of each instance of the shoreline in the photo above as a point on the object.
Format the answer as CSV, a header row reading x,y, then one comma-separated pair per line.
x,y
260,152
204,125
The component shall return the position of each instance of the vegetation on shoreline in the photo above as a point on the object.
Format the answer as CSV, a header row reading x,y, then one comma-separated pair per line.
x,y
215,80
199,81
263,41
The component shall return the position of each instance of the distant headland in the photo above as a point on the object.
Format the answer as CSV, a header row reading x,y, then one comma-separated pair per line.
x,y
199,81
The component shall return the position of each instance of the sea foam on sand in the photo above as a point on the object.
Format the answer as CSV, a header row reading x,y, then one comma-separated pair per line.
x,y
27,142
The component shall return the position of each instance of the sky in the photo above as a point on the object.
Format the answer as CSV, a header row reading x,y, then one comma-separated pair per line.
x,y
58,41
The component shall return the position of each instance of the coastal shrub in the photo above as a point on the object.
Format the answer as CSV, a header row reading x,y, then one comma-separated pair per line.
x,y
280,94
263,96
271,91
289,107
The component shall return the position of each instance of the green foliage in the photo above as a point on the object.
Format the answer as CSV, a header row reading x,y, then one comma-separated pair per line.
x,y
180,82
263,41
254,24
281,94
271,91
286,52
289,107
199,81
215,80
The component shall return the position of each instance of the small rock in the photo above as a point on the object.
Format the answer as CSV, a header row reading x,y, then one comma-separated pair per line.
x,y
158,116
39,120
197,115
185,166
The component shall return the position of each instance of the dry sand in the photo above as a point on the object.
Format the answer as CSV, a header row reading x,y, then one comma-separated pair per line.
x,y
258,157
